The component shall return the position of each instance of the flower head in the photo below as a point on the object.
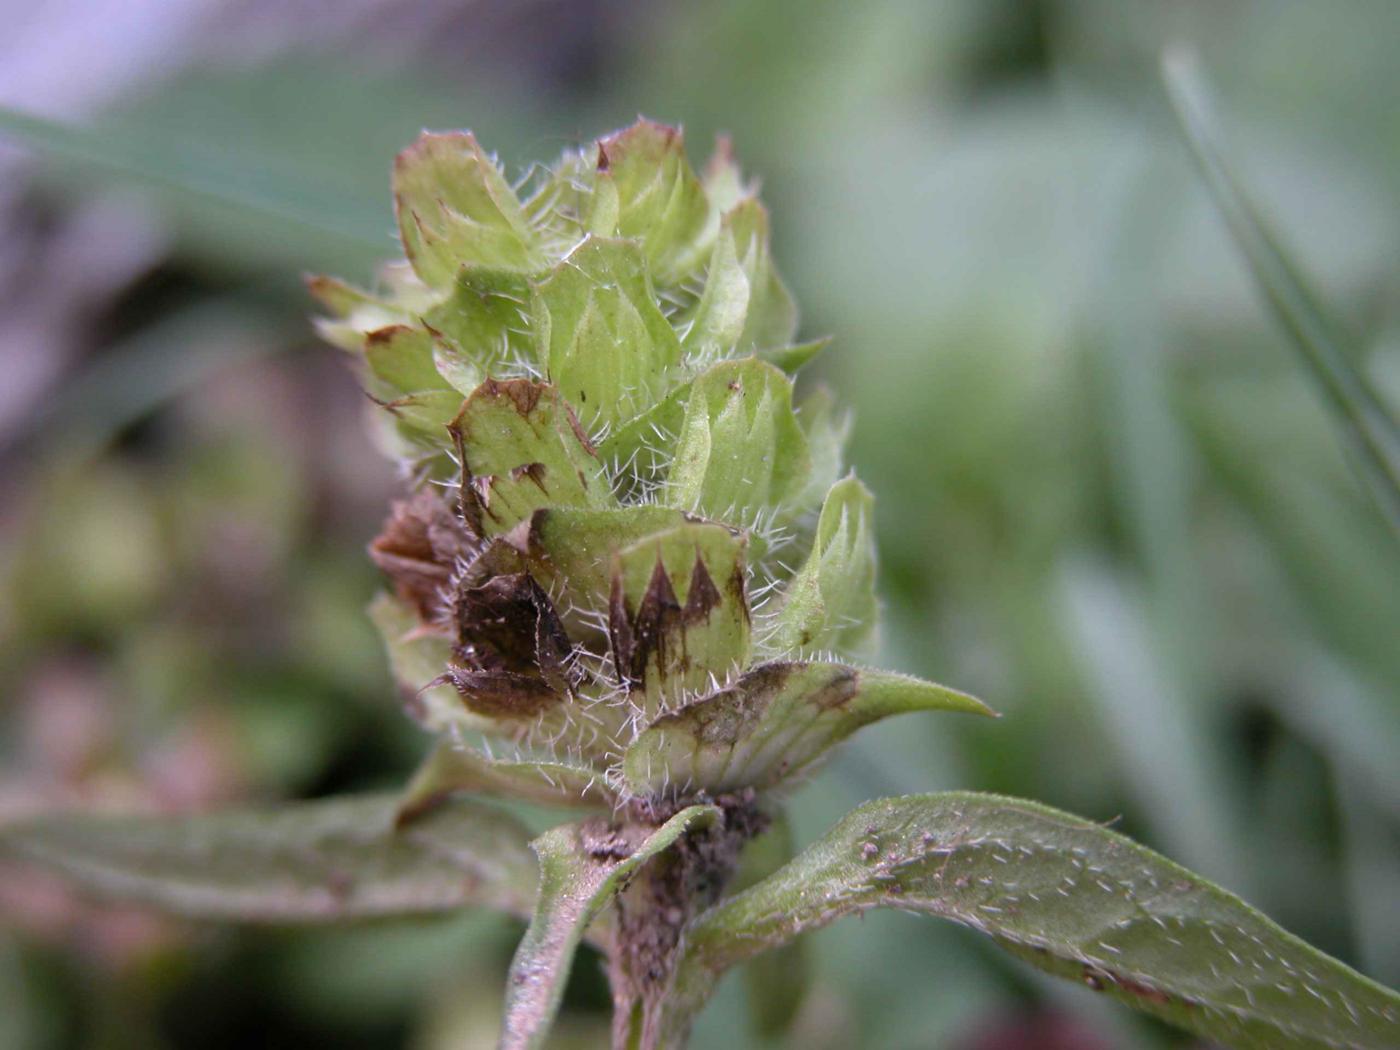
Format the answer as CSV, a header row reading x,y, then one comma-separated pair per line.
x,y
627,553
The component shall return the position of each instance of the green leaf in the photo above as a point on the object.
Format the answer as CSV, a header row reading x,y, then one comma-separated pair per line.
x,y
521,449
582,866
830,603
645,189
740,449
455,208
454,768
772,724
777,981
302,862
1368,425
1073,898
608,346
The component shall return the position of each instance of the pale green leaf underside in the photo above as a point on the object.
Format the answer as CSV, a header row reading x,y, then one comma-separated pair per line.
x,y
772,724
304,862
579,873
1072,898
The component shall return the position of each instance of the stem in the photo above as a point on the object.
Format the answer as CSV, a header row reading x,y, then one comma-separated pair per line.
x,y
653,913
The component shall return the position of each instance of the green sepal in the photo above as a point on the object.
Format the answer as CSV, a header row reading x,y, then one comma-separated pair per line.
x,y
455,208
574,550
402,358
830,603
645,189
642,449
772,725
723,180
772,314
793,356
354,312
716,322
423,419
582,867
827,431
452,768
520,448
485,318
741,449
598,329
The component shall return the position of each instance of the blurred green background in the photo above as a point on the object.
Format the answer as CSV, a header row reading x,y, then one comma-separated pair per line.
x,y
1110,502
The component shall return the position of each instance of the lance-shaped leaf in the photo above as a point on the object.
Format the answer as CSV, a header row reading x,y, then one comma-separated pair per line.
x,y
830,603
455,208
1070,897
581,867
454,768
598,328
772,314
678,614
521,448
485,319
772,724
307,861
740,449
645,189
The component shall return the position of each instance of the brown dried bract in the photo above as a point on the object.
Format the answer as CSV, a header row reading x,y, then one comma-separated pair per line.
x,y
419,547
656,631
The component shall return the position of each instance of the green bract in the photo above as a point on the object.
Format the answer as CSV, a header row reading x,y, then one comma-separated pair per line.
x,y
629,553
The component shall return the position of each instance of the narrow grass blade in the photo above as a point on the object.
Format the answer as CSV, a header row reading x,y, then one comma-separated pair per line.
x,y
1368,425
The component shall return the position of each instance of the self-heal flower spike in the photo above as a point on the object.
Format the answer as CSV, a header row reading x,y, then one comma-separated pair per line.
x,y
628,554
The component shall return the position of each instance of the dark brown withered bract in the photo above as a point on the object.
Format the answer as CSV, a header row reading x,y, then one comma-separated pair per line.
x,y
419,548
510,651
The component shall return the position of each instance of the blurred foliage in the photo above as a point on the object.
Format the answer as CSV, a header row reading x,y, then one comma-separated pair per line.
x,y
1109,500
